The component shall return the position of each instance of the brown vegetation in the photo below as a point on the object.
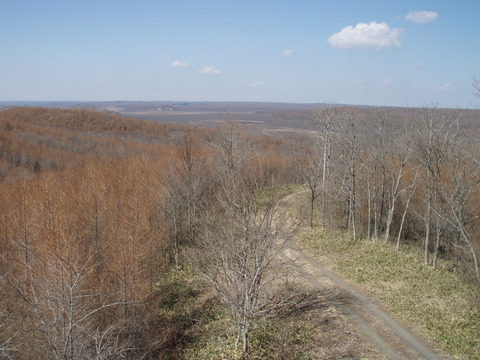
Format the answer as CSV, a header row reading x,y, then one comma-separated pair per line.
x,y
96,211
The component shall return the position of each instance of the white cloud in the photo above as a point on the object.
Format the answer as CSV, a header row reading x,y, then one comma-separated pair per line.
x,y
362,36
102,81
387,81
288,52
256,84
445,87
178,64
362,87
421,16
209,70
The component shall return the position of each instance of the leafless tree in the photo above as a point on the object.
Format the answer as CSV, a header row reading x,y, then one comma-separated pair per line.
x,y
476,86
185,186
312,175
325,121
61,305
234,151
7,332
399,154
410,191
239,256
460,210
173,207
351,151
242,235
378,165
433,139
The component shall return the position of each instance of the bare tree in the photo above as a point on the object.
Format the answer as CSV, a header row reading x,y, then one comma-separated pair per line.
x,y
399,155
7,331
173,207
351,142
410,190
242,236
312,176
433,139
60,305
378,160
325,120
239,257
185,186
476,86
234,151
460,210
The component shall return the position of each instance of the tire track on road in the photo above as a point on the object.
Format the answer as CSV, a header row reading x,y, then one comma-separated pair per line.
x,y
392,339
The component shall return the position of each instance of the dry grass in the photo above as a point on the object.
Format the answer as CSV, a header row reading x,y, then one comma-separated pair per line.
x,y
443,305
307,328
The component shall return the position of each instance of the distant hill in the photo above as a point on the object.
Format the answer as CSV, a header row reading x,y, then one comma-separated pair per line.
x,y
271,119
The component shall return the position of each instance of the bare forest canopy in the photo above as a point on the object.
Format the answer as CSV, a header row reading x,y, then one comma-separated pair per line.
x,y
95,210
271,119
98,210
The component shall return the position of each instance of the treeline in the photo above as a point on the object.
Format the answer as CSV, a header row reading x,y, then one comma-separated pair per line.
x,y
412,179
88,244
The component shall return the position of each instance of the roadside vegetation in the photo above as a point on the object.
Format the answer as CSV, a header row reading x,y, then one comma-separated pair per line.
x,y
306,328
440,303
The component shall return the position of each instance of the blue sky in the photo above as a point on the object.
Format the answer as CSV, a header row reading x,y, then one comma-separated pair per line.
x,y
394,53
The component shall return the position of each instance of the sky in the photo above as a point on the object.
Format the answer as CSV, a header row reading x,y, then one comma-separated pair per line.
x,y
359,52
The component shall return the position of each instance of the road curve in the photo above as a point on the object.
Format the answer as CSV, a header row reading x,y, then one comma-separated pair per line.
x,y
393,340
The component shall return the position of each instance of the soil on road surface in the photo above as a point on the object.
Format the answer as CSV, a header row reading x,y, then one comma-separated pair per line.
x,y
378,335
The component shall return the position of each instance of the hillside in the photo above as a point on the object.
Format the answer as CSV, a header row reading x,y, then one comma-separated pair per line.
x,y
96,211
37,139
150,239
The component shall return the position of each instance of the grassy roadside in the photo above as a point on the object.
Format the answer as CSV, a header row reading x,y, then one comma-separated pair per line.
x,y
439,303
206,331
307,329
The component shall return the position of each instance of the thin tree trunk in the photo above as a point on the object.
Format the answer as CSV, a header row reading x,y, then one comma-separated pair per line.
x,y
389,221
324,182
427,230
402,222
395,195
239,335
245,340
437,244
352,201
175,239
375,215
475,261
410,196
312,203
369,224
382,203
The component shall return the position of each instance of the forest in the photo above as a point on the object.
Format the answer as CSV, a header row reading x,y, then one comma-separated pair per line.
x,y
102,215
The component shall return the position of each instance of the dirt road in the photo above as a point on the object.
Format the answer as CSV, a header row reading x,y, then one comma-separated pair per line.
x,y
393,340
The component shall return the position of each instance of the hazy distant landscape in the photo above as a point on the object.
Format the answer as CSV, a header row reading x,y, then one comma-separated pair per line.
x,y
272,119
267,118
